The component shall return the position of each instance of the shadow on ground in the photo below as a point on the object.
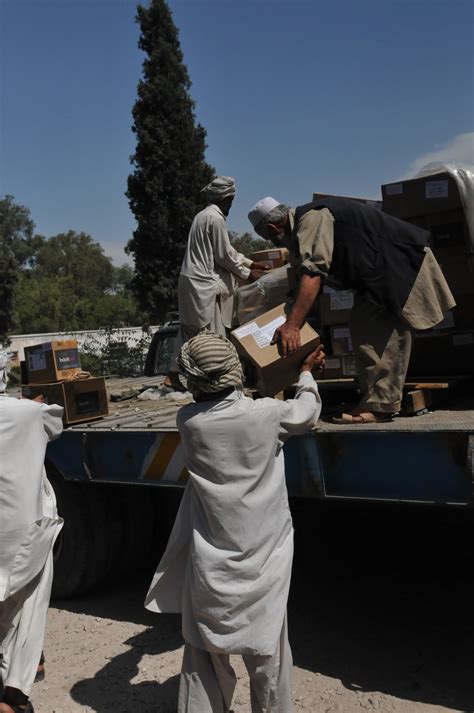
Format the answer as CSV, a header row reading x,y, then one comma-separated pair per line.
x,y
382,600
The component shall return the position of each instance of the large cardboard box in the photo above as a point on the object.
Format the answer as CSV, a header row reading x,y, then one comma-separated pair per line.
x,y
335,306
365,201
274,257
273,373
341,340
83,400
52,361
421,196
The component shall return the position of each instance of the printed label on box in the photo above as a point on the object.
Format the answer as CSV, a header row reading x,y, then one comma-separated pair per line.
x,y
274,255
395,189
36,360
349,366
67,359
344,333
246,329
332,364
264,335
436,189
341,299
460,340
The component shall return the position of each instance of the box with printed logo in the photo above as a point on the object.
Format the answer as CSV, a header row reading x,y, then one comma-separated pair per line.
x,y
52,361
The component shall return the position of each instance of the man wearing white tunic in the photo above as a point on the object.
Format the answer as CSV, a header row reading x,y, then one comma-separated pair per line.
x,y
227,565
29,525
210,271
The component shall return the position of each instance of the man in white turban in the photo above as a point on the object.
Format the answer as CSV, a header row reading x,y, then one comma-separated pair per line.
x,y
29,525
210,270
227,565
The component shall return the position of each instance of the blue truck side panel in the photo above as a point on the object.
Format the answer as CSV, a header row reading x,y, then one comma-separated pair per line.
x,y
414,467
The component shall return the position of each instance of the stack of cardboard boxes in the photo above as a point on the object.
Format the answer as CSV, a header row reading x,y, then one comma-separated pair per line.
x,y
51,370
434,202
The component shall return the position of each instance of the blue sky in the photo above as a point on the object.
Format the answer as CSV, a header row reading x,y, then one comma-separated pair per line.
x,y
296,96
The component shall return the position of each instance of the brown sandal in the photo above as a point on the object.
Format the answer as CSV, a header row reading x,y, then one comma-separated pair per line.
x,y
361,418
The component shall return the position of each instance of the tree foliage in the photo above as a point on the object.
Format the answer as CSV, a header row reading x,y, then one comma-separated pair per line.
x,y
247,244
169,164
16,238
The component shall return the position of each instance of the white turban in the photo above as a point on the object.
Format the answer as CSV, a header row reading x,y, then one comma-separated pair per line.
x,y
261,209
221,187
3,371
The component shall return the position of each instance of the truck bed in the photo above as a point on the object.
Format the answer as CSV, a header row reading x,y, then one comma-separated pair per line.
x,y
133,414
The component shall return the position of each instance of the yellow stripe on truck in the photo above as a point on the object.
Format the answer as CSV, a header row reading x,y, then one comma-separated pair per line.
x,y
167,462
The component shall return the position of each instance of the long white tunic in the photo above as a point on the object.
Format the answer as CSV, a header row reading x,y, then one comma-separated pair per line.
x,y
228,562
209,272
29,522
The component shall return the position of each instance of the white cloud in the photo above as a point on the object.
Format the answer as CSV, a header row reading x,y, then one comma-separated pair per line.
x,y
459,150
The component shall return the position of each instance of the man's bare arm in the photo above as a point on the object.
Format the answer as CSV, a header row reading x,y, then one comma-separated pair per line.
x,y
289,333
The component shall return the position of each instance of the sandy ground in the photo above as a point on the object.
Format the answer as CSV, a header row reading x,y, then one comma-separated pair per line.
x,y
380,617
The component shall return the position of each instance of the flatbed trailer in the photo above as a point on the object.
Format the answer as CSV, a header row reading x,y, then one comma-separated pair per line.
x,y
109,474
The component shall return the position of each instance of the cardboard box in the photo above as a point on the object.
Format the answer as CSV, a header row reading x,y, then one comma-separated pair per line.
x,y
421,196
337,367
273,373
341,340
52,361
274,257
366,201
82,400
335,306
442,354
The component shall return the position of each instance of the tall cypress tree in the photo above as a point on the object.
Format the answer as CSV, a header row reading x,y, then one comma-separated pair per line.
x,y
169,164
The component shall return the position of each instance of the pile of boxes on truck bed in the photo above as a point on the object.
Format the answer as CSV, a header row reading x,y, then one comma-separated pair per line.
x,y
53,370
433,202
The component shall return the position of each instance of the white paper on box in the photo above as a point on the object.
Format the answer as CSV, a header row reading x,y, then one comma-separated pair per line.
x,y
246,329
349,366
341,299
264,335
344,333
274,254
436,189
332,364
395,189
460,340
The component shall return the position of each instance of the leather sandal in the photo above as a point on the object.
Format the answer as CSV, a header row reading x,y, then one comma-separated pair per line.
x,y
362,418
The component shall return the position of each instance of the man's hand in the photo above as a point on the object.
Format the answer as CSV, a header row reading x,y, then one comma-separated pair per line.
x,y
255,274
288,338
265,266
314,360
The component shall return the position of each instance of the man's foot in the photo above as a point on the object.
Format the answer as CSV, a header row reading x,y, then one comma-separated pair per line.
x,y
172,382
361,417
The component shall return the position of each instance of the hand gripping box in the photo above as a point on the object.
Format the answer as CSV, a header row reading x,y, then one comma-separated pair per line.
x,y
52,361
274,257
273,373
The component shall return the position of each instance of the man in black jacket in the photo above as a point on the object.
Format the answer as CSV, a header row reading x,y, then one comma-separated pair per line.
x,y
397,282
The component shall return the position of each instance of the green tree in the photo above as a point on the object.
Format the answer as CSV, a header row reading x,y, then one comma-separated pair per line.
x,y
169,163
246,243
16,236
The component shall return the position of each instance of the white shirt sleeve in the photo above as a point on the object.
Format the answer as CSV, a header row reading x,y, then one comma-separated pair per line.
x,y
52,420
225,255
299,415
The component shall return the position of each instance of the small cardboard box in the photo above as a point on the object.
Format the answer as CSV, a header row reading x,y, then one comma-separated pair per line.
x,y
337,367
273,373
52,361
335,306
341,340
274,257
365,201
83,400
421,196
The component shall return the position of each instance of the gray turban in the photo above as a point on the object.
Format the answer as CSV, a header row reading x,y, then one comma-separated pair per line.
x,y
210,364
218,189
3,371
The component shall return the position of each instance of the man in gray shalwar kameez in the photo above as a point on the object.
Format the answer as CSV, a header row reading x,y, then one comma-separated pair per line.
x,y
227,566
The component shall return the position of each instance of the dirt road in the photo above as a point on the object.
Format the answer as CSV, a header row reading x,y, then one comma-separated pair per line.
x,y
380,615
